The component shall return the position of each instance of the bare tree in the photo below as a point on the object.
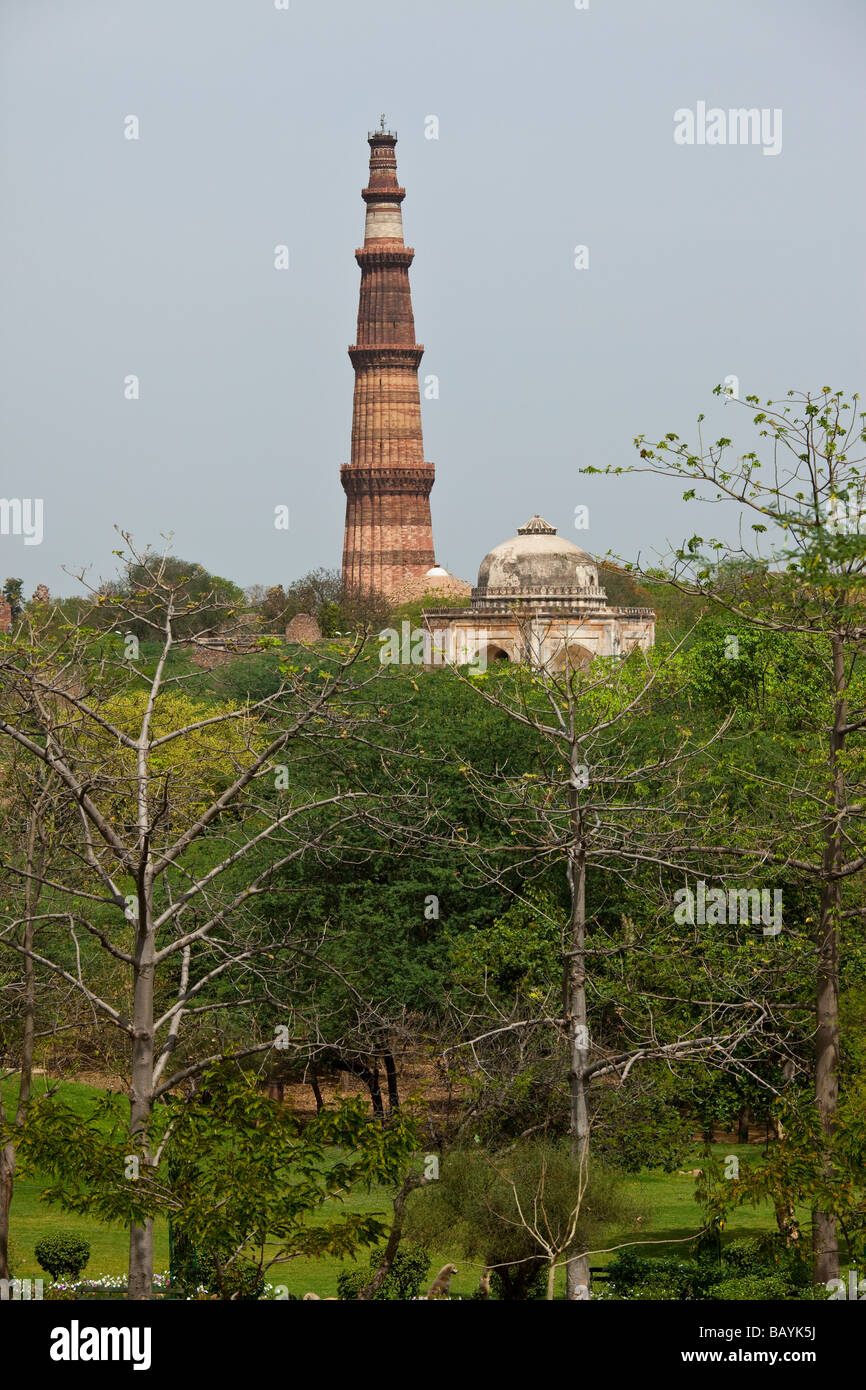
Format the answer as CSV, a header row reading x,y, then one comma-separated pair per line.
x,y
553,1232
181,821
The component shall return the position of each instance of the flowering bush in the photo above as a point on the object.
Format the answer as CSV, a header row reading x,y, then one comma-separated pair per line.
x,y
104,1283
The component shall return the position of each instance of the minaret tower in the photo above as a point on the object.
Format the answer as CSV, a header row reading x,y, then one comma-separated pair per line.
x,y
388,541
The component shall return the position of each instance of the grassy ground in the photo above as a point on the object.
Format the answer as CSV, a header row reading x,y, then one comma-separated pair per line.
x,y
667,1199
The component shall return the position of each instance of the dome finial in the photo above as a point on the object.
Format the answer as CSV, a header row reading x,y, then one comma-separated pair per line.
x,y
536,526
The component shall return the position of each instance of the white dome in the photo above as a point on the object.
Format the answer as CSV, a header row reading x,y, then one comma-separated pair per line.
x,y
537,561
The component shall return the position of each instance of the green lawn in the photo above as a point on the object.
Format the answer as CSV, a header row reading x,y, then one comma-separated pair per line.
x,y
671,1214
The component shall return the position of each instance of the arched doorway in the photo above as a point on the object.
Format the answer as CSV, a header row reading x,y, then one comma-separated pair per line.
x,y
493,653
574,657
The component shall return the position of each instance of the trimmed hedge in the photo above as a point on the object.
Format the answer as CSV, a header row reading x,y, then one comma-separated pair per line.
x,y
63,1255
760,1268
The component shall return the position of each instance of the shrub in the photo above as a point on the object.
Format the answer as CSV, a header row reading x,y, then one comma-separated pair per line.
x,y
241,1281
768,1257
766,1288
404,1280
761,1268
660,1277
62,1255
472,1209
745,1256
523,1281
663,1277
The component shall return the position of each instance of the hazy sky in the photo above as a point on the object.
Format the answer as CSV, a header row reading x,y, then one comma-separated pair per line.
x,y
155,257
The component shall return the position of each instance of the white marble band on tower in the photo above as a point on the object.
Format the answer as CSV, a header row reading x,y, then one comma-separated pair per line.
x,y
383,220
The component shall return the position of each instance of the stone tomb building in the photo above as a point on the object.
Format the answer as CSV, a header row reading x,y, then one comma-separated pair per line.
x,y
538,600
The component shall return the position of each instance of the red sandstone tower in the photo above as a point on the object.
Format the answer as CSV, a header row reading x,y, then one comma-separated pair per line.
x,y
388,541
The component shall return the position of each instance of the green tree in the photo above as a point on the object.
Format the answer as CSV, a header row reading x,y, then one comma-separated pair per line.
x,y
203,604
243,1181
807,578
12,594
616,796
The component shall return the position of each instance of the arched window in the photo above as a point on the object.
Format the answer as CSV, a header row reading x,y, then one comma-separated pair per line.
x,y
493,652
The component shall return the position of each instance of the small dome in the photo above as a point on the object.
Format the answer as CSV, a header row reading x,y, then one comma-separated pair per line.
x,y
537,560
437,582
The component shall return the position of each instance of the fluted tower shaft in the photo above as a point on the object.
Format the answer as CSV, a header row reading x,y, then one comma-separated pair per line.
x,y
389,537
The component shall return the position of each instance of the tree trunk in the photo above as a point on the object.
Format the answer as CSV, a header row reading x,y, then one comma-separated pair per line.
x,y
391,1076
32,891
577,1267
370,1078
7,1180
787,1223
410,1183
314,1082
825,1243
743,1125
141,1091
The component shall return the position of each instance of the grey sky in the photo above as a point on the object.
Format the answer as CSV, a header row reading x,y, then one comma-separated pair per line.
x,y
155,257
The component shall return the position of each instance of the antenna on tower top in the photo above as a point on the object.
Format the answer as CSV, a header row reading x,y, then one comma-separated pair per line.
x,y
382,121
